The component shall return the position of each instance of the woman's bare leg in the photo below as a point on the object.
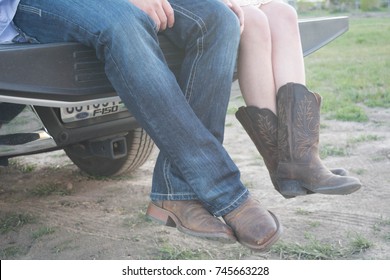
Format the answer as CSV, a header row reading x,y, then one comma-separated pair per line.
x,y
287,58
255,70
270,53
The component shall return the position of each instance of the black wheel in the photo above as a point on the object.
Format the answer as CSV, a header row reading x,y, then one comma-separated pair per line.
x,y
139,148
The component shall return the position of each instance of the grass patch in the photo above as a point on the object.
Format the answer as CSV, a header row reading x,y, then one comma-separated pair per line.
x,y
24,168
134,221
169,252
313,251
359,171
383,225
330,150
314,224
232,110
302,212
50,189
65,245
359,244
385,222
364,138
353,70
379,158
10,252
42,232
351,113
317,250
14,221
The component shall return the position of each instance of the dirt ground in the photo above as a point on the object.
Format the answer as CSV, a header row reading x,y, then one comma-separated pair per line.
x,y
86,218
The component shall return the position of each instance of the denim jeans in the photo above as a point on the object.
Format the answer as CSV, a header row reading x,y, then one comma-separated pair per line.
x,y
184,115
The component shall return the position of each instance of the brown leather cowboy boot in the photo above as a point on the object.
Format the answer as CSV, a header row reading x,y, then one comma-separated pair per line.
x,y
298,140
190,217
254,226
261,126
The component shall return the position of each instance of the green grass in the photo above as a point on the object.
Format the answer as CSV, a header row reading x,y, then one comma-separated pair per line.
x,y
383,227
13,221
42,232
359,244
170,252
302,212
24,168
352,72
365,138
47,189
327,150
10,252
318,250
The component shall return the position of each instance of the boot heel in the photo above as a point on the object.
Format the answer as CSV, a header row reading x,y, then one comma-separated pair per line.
x,y
160,215
291,188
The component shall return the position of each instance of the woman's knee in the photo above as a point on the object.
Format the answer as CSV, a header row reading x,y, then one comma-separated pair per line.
x,y
288,13
256,26
280,12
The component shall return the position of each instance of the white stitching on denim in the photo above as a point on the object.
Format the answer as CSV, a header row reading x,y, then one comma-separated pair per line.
x,y
166,172
30,9
218,213
188,90
203,28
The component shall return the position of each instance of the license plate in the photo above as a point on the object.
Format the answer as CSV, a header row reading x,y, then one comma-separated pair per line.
x,y
79,113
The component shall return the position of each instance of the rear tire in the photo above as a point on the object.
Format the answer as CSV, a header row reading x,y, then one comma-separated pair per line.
x,y
139,148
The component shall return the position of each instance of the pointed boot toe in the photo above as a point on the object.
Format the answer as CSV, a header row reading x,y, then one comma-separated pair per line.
x,y
254,226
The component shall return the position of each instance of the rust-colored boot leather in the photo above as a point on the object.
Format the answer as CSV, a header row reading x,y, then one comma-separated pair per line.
x,y
298,141
254,226
262,126
190,217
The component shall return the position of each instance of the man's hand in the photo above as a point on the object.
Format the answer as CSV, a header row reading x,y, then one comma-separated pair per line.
x,y
159,10
232,4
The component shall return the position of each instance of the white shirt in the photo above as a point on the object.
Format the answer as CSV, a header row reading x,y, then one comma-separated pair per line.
x,y
7,13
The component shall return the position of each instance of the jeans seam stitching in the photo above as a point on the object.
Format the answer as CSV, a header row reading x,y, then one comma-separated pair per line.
x,y
30,9
166,177
200,43
231,204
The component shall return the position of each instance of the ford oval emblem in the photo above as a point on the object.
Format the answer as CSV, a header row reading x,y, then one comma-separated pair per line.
x,y
82,115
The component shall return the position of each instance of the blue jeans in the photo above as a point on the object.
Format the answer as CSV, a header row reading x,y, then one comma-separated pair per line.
x,y
184,115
